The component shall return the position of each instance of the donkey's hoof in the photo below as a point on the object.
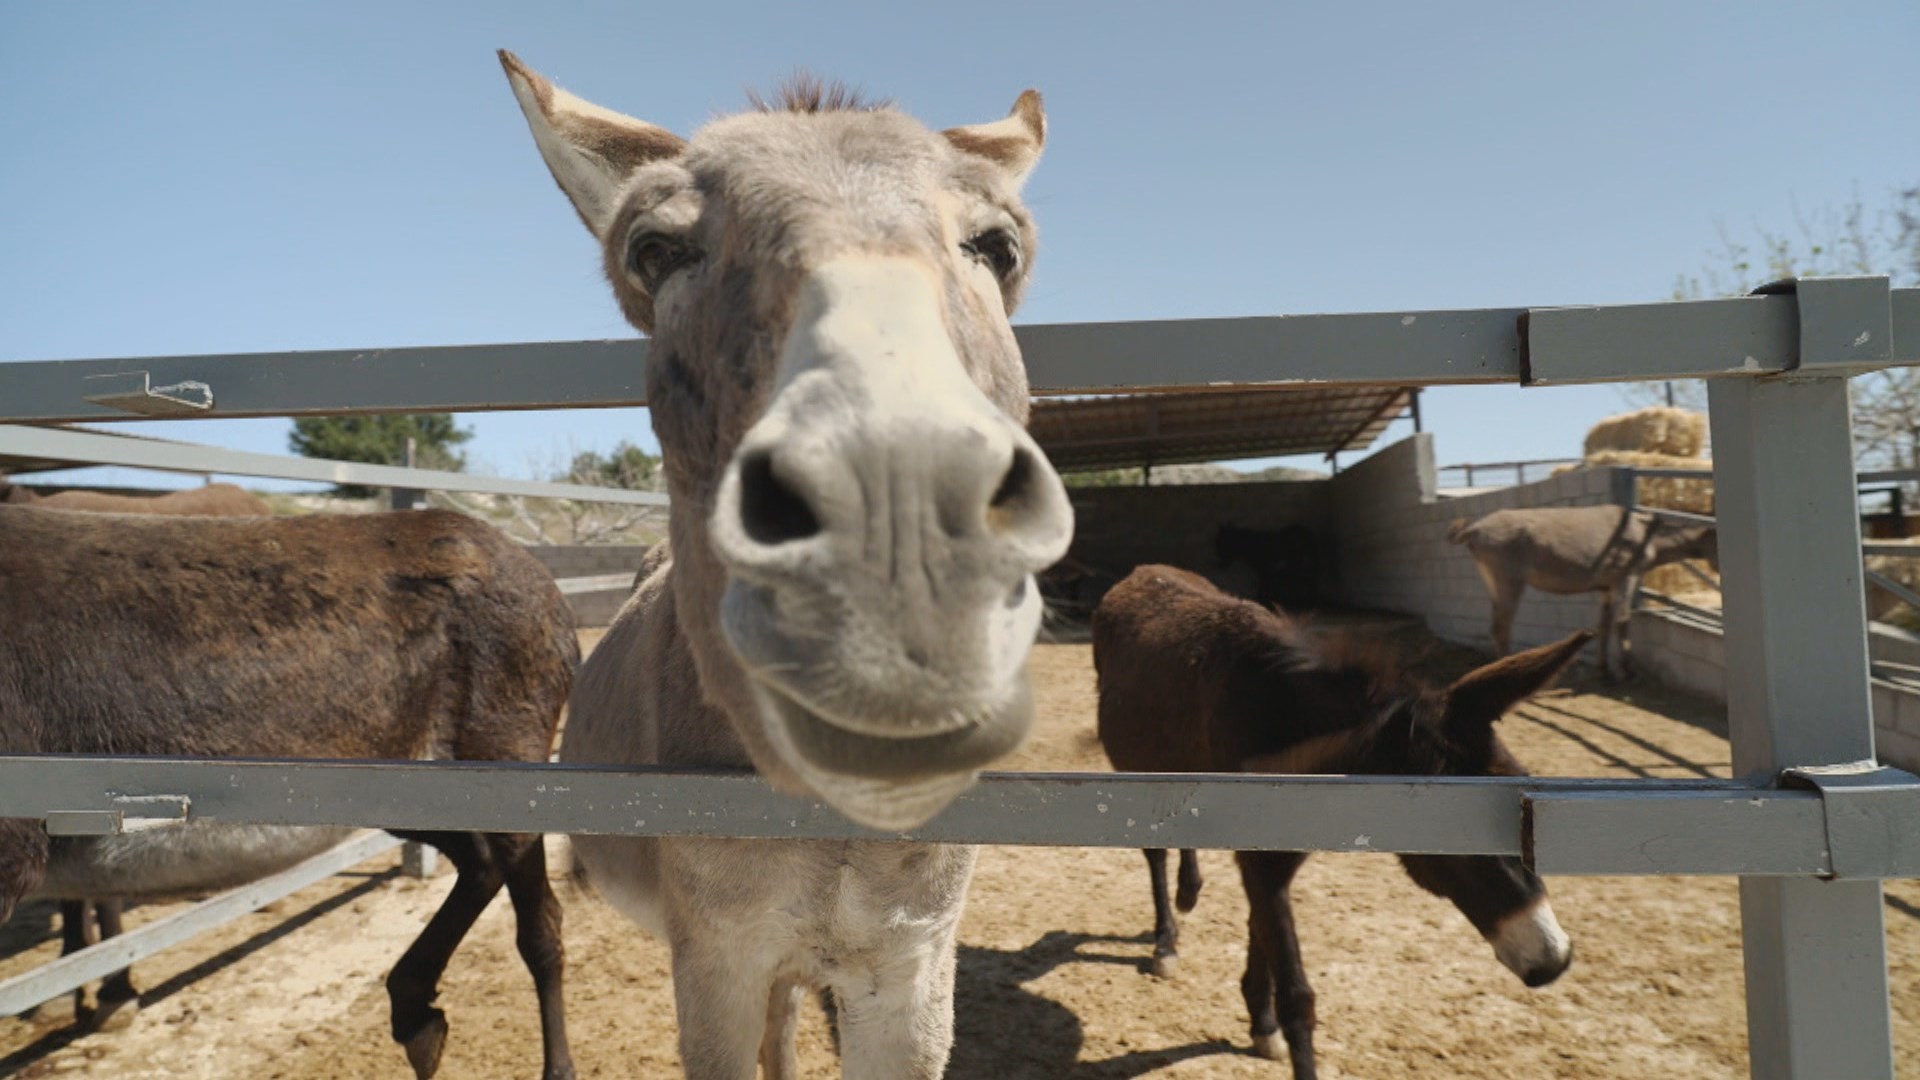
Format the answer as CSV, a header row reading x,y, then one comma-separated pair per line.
x,y
1165,965
426,1045
1270,1046
115,1015
1184,898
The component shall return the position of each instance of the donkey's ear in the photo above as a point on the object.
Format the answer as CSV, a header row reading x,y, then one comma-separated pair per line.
x,y
1013,143
590,150
1485,694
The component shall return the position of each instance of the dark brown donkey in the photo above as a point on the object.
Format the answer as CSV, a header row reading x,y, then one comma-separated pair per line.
x,y
117,1001
387,636
1193,680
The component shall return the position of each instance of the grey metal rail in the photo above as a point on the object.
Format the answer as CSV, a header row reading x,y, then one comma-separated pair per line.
x,y
1680,340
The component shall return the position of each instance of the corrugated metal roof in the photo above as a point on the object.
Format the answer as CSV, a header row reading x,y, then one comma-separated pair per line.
x,y
1190,427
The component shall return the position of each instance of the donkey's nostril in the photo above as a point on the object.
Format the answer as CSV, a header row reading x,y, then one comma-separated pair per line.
x,y
1014,493
770,511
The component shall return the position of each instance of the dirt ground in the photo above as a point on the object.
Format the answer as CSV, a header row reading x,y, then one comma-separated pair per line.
x,y
1051,978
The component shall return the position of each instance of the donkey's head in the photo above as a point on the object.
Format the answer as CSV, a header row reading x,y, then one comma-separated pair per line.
x,y
858,510
1450,733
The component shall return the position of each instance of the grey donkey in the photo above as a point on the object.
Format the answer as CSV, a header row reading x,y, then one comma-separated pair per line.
x,y
846,601
1580,549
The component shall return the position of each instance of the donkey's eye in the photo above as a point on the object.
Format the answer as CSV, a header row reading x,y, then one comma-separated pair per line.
x,y
998,250
653,257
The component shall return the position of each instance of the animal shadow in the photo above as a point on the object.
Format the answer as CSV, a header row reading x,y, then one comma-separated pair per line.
x,y
1003,1031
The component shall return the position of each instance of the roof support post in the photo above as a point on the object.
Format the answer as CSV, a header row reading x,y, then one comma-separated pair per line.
x,y
1798,695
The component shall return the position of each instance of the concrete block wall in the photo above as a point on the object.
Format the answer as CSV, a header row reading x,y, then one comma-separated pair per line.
x,y
1691,654
1390,527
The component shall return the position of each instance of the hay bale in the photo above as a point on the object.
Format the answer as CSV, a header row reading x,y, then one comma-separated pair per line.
x,y
1674,581
1664,492
1658,429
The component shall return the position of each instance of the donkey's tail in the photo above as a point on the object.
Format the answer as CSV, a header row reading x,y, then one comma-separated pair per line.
x,y
1457,531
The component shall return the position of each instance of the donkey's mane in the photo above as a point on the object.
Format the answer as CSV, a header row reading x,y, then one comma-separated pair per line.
x,y
805,92
1283,644
1284,641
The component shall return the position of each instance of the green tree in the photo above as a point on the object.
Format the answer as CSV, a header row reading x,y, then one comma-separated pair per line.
x,y
381,440
625,466
1125,477
1850,240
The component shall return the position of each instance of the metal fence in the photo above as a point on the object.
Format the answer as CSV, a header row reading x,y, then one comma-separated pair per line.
x,y
1810,825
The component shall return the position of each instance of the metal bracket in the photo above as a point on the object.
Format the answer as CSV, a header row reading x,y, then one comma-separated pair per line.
x,y
1872,817
1846,323
134,392
130,813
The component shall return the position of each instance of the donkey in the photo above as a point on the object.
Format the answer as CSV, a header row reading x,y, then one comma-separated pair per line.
x,y
1566,550
1286,562
117,1000
846,599
210,500
1194,680
390,636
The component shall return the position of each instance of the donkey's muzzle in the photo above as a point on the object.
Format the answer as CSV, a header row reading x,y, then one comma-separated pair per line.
x,y
881,525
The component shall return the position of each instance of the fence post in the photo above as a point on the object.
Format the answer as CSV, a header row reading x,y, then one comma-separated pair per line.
x,y
1798,694
1625,487
406,498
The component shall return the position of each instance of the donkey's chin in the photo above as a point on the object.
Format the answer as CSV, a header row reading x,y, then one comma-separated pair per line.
x,y
889,782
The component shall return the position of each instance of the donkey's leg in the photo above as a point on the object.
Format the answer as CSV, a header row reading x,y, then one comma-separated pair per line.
x,y
1623,618
1166,930
779,1056
722,995
536,914
897,1023
117,1003
1607,602
1267,877
415,980
1505,590
1189,893
76,933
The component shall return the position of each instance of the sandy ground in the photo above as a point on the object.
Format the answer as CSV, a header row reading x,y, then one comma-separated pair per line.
x,y
1054,945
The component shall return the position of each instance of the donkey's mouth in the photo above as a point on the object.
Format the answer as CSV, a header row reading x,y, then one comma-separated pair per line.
x,y
834,747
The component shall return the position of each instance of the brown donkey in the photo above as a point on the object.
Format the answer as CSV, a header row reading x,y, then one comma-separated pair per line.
x,y
1193,680
858,513
386,636
1576,549
117,1000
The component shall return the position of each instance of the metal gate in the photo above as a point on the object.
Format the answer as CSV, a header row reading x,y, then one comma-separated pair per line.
x,y
1810,825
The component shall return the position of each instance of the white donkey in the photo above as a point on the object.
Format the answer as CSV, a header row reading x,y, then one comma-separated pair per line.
x,y
858,514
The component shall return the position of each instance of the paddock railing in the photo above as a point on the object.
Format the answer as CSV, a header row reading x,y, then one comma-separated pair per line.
x,y
1810,824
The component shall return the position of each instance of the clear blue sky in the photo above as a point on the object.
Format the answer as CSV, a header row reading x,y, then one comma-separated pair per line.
x,y
233,177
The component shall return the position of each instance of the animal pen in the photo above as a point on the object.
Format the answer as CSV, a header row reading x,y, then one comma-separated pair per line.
x,y
1810,824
